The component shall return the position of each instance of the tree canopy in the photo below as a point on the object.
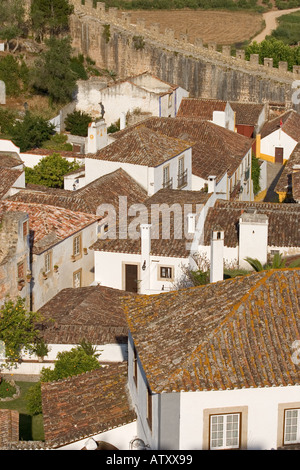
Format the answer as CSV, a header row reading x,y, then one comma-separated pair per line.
x,y
50,17
53,72
77,123
17,329
50,171
31,132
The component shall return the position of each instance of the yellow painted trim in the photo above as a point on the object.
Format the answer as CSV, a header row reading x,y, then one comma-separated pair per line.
x,y
268,158
281,195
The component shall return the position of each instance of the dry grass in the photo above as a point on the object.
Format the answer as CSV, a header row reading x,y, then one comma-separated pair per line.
x,y
222,27
37,104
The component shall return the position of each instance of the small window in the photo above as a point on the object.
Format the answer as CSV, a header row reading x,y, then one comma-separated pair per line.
x,y
292,426
48,262
77,279
225,431
25,228
21,270
77,245
166,272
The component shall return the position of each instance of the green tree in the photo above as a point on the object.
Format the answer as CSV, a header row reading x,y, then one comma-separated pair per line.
x,y
50,171
53,75
17,329
7,121
12,19
31,132
275,49
77,123
14,74
50,17
67,364
255,174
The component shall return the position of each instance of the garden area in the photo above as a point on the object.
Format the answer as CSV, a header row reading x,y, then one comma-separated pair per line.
x,y
30,425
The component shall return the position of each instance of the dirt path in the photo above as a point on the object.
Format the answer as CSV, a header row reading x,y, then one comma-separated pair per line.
x,y
271,22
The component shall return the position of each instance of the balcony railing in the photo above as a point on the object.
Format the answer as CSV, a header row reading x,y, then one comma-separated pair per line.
x,y
168,184
182,179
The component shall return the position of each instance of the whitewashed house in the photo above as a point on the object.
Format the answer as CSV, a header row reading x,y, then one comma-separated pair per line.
x,y
59,241
256,230
219,112
142,93
278,137
213,367
149,250
220,157
154,160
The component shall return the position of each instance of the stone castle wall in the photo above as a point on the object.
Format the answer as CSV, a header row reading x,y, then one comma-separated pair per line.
x,y
109,38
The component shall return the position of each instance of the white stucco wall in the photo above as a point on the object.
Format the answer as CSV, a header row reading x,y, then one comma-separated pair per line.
x,y
119,437
31,160
173,169
262,406
277,138
44,290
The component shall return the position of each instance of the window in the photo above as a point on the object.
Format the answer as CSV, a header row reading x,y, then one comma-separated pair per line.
x,y
48,262
166,272
20,270
77,245
225,431
182,173
292,426
167,181
77,279
25,228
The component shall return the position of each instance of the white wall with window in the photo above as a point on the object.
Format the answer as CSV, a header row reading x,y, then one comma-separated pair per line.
x,y
258,418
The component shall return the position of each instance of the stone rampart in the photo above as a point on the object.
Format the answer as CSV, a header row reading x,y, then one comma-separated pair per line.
x,y
202,69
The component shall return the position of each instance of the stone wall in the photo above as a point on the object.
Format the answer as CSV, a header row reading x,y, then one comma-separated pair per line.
x,y
203,71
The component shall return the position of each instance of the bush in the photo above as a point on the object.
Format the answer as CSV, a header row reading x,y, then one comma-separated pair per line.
x,y
50,171
68,363
31,132
77,123
6,389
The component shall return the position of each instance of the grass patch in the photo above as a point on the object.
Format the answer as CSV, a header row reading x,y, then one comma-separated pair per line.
x,y
288,30
30,427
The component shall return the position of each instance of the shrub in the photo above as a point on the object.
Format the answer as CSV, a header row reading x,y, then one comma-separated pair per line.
x,y
6,389
50,171
77,123
68,363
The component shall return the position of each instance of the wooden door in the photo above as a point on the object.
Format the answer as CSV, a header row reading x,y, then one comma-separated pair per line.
x,y
131,277
279,155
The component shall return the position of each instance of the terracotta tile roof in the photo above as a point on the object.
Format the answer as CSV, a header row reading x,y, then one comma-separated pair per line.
x,y
231,334
296,185
290,125
283,219
8,177
49,225
175,245
284,182
142,147
85,405
200,107
9,159
104,190
93,313
62,153
215,149
246,113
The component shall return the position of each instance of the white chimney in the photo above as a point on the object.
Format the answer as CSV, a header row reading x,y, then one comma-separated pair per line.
x,y
97,136
145,257
191,223
212,182
217,256
253,237
122,121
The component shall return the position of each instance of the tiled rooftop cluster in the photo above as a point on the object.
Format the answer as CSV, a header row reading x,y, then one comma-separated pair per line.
x,y
289,122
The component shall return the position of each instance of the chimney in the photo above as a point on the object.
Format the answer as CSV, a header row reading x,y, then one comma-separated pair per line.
x,y
145,257
217,255
212,181
97,136
253,237
191,223
122,121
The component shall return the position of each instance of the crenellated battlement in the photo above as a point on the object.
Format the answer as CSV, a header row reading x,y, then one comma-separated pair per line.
x,y
166,38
